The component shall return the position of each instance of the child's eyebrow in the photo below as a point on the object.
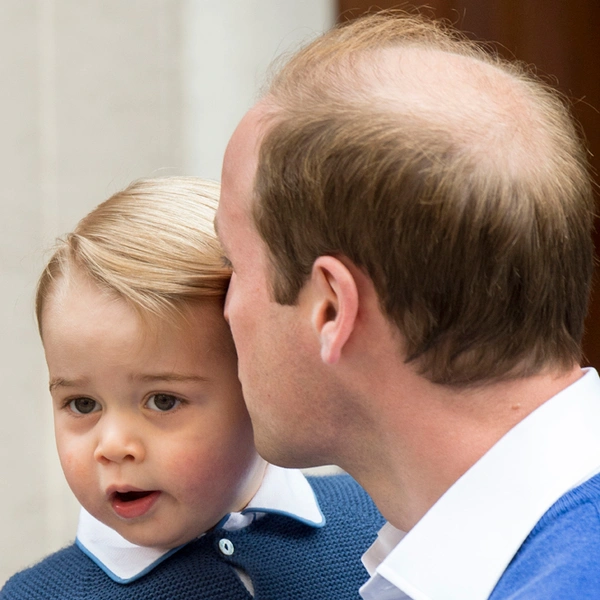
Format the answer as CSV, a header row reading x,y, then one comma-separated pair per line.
x,y
62,382
170,377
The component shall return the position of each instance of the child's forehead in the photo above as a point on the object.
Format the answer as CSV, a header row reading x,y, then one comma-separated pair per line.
x,y
180,315
198,325
73,283
88,317
155,310
77,295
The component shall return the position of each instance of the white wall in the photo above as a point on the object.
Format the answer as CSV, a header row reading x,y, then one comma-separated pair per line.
x,y
96,93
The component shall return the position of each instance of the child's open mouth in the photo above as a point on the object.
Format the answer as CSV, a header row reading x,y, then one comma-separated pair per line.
x,y
129,505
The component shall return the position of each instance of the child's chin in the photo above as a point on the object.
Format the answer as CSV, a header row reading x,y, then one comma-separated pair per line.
x,y
163,542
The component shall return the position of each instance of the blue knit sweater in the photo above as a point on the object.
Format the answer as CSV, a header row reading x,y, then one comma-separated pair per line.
x,y
560,559
284,558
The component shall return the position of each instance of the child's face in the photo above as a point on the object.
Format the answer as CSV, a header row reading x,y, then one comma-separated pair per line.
x,y
151,427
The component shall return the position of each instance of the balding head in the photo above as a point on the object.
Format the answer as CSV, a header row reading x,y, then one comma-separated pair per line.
x,y
454,179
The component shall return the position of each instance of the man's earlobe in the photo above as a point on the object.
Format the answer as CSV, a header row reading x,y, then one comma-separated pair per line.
x,y
335,306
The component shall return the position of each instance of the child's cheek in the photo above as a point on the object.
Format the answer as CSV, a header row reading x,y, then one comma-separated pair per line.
x,y
225,473
75,465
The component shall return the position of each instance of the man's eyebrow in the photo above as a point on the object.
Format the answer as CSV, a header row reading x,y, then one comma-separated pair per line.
x,y
62,382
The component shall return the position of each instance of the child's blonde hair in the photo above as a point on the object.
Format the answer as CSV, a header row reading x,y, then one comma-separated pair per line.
x,y
152,244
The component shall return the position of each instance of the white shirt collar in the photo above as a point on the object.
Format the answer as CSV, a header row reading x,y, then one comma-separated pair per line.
x,y
282,491
461,547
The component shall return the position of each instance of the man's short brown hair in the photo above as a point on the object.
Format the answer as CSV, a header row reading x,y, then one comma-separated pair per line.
x,y
461,189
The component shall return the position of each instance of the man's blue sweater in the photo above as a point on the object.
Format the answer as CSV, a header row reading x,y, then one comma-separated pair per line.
x,y
560,559
284,558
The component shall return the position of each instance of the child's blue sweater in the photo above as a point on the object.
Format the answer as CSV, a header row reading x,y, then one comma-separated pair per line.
x,y
560,559
284,558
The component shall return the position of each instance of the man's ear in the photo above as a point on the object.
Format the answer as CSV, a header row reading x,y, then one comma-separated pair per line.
x,y
334,305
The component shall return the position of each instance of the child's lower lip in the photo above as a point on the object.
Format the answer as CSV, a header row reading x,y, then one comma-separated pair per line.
x,y
134,508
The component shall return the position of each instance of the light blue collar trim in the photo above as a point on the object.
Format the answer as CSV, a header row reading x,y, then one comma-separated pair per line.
x,y
128,562
283,491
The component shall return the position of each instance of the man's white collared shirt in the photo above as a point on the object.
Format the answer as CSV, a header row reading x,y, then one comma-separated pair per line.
x,y
462,546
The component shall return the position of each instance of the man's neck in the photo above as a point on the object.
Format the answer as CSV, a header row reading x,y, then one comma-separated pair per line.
x,y
431,435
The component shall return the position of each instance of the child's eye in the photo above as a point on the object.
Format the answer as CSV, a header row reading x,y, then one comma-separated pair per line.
x,y
163,402
84,406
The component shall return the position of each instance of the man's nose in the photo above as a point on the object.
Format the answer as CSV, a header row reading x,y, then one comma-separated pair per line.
x,y
119,441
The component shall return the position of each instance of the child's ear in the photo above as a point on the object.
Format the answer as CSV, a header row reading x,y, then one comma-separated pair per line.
x,y
334,307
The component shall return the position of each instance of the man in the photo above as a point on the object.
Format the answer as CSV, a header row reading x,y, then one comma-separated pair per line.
x,y
408,219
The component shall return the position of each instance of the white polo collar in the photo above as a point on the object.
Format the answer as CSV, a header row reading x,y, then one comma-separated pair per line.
x,y
461,547
282,491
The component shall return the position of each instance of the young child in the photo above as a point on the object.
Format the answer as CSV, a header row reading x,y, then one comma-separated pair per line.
x,y
152,432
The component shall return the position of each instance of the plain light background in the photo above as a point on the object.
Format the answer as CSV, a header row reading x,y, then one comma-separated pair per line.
x,y
96,93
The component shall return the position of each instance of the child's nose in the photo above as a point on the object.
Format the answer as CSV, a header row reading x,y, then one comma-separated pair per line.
x,y
119,441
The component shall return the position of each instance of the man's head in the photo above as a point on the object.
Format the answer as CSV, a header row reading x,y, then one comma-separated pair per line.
x,y
455,180
394,152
